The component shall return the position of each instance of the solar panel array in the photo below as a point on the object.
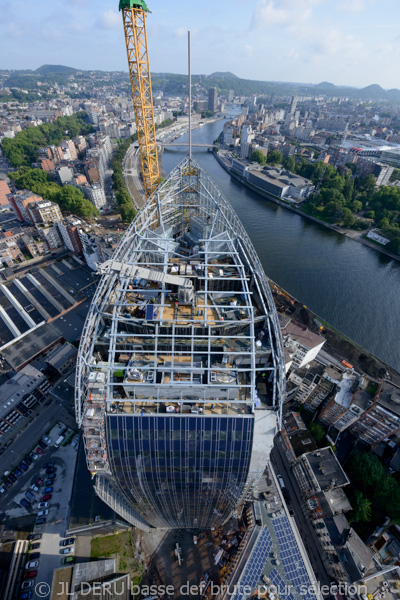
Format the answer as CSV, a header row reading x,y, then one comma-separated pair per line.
x,y
282,588
256,563
290,556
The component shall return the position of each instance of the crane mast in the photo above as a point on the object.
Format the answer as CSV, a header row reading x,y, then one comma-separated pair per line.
x,y
134,19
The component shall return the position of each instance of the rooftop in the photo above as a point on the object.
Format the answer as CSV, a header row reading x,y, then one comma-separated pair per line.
x,y
326,469
302,335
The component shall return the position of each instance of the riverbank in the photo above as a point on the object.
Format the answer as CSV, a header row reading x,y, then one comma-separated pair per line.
x,y
351,234
337,344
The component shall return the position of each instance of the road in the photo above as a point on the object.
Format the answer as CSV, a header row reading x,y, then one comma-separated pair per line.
x,y
295,502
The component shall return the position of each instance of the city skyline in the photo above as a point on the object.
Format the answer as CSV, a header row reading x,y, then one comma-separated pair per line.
x,y
310,40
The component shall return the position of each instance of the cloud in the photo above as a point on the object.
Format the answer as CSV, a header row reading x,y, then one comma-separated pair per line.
x,y
109,20
352,6
282,12
249,50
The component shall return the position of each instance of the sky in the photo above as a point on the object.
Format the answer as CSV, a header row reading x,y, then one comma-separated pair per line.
x,y
345,42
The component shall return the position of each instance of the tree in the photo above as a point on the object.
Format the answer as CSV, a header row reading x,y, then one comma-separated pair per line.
x,y
317,431
289,163
259,157
128,213
356,206
362,508
348,218
275,157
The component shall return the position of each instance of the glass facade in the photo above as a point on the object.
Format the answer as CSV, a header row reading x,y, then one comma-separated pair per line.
x,y
180,471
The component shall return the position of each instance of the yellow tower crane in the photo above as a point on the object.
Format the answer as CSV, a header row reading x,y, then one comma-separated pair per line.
x,y
134,18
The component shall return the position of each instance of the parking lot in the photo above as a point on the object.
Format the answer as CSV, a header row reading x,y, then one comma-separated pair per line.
x,y
51,474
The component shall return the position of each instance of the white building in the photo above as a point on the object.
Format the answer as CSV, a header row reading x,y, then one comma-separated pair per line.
x,y
96,195
302,344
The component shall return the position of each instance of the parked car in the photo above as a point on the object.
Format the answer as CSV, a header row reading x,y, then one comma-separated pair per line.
x,y
47,490
39,481
46,439
34,556
42,445
28,460
32,564
66,550
2,489
26,584
34,487
40,521
51,475
49,464
30,575
34,536
67,542
26,595
50,470
48,482
23,466
30,496
18,472
35,546
43,513
38,450
12,478
68,559
34,456
46,497
43,505
24,502
8,482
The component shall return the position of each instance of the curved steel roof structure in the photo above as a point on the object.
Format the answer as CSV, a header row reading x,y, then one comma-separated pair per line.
x,y
180,375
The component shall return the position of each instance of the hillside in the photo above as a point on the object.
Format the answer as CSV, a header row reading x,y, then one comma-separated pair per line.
x,y
49,69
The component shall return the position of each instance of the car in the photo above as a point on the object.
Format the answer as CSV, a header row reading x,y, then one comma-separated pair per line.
x,y
12,478
46,439
48,465
18,472
68,559
28,460
35,546
43,505
30,574
40,521
30,496
43,513
32,564
34,556
26,595
23,466
47,490
34,536
24,502
38,450
50,470
42,445
39,481
67,542
8,483
34,487
26,584
51,476
34,456
2,489
48,482
46,497
66,550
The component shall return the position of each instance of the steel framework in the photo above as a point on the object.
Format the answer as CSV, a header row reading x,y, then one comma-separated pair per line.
x,y
134,20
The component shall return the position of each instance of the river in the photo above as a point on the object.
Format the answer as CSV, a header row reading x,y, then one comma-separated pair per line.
x,y
354,288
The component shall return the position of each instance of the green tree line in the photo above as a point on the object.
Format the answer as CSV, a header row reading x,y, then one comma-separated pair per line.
x,y
68,197
23,149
